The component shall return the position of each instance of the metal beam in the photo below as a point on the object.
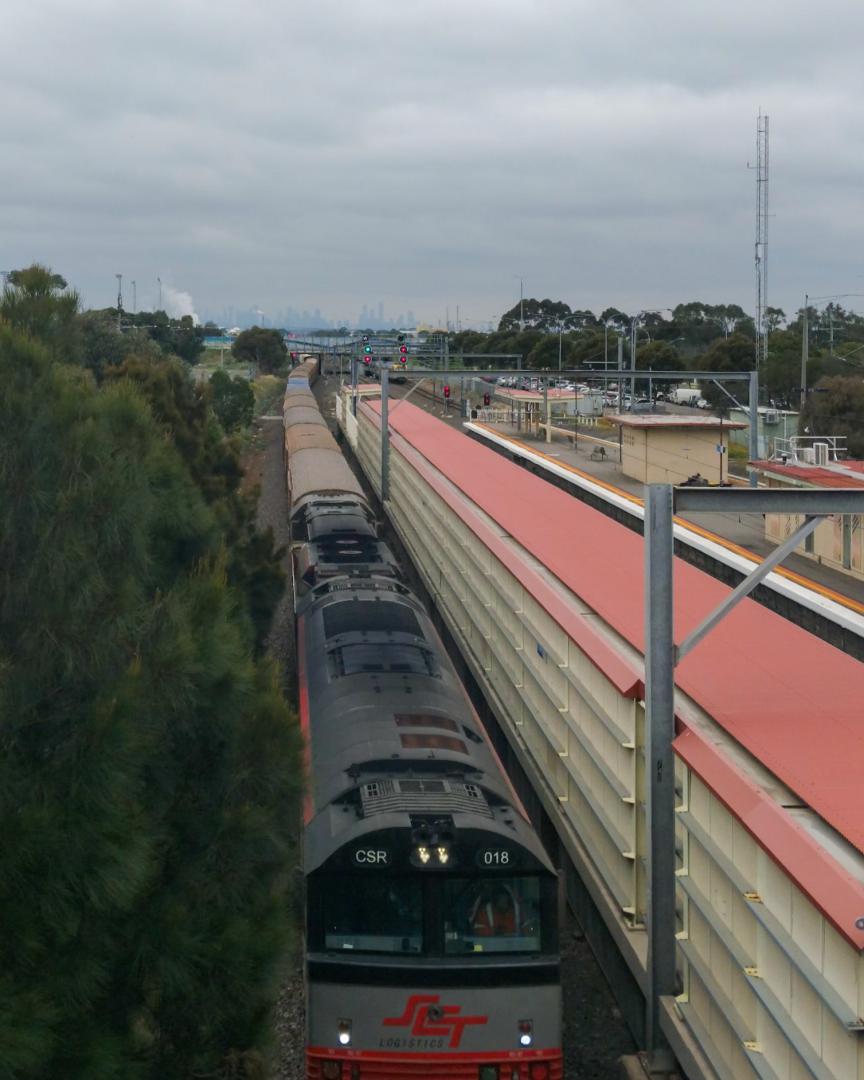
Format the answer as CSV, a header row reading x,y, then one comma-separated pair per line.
x,y
807,501
745,587
659,767
611,374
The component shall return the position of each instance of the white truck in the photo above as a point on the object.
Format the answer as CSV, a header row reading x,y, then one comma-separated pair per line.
x,y
685,395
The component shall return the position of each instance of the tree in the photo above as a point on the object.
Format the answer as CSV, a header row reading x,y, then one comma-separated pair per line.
x,y
150,768
659,356
734,353
545,315
835,406
182,408
545,353
39,303
265,349
233,401
773,318
611,316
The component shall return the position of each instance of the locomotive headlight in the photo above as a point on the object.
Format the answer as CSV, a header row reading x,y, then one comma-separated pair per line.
x,y
344,1032
526,1032
443,854
424,854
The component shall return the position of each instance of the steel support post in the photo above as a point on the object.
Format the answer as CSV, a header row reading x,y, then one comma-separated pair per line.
x,y
385,434
659,767
354,385
754,425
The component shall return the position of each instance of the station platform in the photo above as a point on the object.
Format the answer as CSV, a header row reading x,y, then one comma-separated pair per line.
x,y
745,531
544,596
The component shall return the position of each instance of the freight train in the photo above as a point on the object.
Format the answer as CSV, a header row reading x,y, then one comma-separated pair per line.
x,y
431,905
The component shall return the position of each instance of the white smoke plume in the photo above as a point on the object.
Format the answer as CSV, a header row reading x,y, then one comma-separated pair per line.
x,y
177,303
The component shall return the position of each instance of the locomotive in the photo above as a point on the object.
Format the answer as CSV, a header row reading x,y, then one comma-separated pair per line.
x,y
431,905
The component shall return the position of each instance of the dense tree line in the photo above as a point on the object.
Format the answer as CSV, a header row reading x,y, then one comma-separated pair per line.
x,y
696,336
150,774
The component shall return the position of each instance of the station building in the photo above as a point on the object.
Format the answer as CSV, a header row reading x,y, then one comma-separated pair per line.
x,y
838,541
669,449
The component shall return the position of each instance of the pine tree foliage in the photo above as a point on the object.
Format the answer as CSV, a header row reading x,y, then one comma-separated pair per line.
x,y
149,774
183,409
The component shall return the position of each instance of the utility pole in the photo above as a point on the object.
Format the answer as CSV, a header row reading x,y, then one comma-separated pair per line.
x,y
761,247
119,299
805,349
159,280
521,308
634,330
134,298
560,343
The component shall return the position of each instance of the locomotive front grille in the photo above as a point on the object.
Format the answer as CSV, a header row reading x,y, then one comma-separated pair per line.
x,y
422,796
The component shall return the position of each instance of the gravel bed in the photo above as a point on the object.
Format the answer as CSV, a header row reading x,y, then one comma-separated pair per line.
x,y
594,1033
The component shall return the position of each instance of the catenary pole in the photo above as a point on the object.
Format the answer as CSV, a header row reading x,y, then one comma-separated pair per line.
x,y
659,766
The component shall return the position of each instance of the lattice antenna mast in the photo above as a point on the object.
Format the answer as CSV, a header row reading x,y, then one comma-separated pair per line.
x,y
761,249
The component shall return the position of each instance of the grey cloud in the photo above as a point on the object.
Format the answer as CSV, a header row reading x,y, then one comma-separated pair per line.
x,y
336,153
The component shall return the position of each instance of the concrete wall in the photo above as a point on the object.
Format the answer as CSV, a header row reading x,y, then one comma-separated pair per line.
x,y
670,456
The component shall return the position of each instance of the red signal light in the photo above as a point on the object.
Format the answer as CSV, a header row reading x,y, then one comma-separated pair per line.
x,y
403,349
367,359
446,391
485,399
403,359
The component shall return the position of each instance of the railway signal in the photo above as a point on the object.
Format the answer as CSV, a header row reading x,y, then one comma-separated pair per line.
x,y
403,354
446,391
486,399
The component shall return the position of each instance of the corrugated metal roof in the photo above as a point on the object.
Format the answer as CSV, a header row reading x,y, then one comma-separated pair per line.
x,y
849,474
792,700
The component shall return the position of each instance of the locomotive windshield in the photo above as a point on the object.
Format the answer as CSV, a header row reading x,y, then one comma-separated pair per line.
x,y
492,915
373,914
433,916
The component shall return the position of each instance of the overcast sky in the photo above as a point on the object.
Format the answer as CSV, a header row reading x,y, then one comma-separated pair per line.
x,y
428,154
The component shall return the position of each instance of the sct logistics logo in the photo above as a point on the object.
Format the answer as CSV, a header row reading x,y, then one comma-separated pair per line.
x,y
427,1018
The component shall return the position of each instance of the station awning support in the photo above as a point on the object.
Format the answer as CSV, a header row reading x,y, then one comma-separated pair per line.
x,y
662,502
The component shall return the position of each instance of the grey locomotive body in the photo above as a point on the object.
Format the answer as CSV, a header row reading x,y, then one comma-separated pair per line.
x,y
431,904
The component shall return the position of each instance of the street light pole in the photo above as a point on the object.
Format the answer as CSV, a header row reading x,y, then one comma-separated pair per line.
x,y
560,330
521,308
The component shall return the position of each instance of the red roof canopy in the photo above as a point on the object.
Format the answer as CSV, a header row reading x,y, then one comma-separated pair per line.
x,y
794,701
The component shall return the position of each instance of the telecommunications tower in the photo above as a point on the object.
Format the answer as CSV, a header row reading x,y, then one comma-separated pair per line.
x,y
761,249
